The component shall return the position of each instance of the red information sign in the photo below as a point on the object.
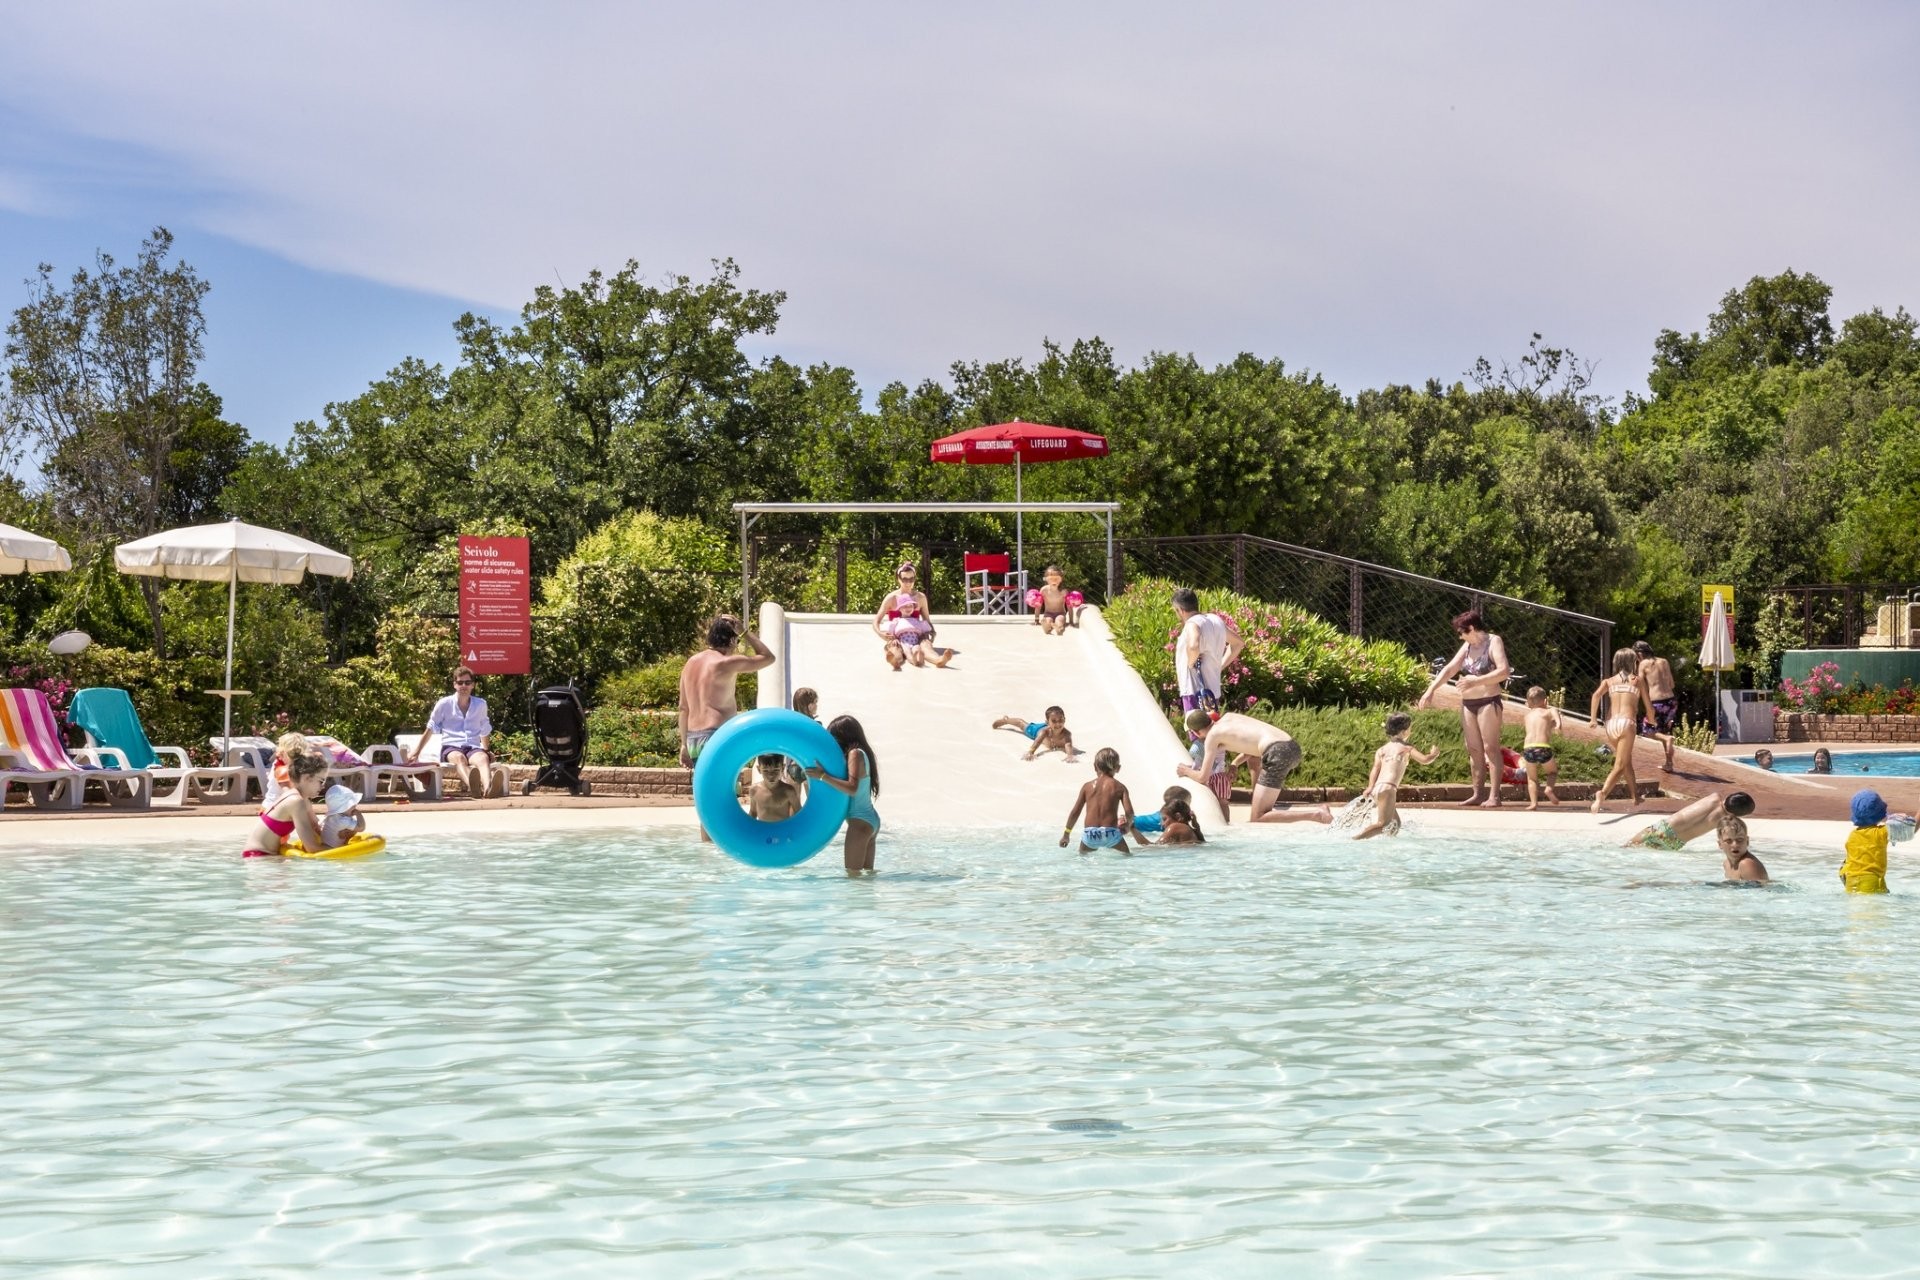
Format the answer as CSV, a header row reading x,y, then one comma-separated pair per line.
x,y
496,607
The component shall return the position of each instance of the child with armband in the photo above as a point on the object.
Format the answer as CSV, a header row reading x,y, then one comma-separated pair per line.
x,y
1176,822
1053,605
1865,868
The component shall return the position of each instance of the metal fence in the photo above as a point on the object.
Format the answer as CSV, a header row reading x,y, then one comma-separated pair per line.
x,y
1882,615
1554,648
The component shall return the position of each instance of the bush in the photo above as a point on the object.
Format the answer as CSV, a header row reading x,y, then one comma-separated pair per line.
x,y
1337,746
870,576
635,590
1292,657
655,686
615,736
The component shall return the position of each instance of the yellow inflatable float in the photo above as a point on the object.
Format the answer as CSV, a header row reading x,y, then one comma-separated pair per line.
x,y
361,846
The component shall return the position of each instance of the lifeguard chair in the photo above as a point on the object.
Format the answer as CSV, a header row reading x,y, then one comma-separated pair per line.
x,y
986,596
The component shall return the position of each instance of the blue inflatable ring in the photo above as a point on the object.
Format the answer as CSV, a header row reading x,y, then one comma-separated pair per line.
x,y
769,731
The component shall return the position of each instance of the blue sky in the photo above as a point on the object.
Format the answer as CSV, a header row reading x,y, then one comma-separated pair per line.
x,y
1375,192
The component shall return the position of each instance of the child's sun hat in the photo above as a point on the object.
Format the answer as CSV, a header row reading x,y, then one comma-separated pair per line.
x,y
1869,810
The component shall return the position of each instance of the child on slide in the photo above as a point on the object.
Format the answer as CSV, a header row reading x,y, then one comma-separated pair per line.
x,y
1053,605
1048,735
1104,799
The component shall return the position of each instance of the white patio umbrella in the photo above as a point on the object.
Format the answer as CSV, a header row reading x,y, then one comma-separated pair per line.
x,y
1716,652
232,553
23,552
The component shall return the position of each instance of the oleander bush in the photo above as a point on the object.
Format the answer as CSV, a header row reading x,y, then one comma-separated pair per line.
x,y
1292,657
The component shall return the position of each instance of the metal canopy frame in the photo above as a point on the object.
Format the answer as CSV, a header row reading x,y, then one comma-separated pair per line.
x,y
750,513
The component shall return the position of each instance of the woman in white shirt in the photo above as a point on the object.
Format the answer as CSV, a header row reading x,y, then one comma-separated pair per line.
x,y
460,719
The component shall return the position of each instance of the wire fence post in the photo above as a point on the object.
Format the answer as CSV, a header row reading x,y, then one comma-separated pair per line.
x,y
1606,649
840,576
1240,563
1356,603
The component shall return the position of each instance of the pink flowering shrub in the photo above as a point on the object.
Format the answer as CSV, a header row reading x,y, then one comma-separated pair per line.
x,y
1821,693
1292,657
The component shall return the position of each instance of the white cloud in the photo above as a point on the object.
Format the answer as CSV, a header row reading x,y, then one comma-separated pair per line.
x,y
1382,192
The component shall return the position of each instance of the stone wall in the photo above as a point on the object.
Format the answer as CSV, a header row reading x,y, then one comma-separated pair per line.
x,y
607,780
1798,726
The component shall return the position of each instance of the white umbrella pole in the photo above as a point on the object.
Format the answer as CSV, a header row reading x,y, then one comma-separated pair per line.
x,y
1019,533
226,694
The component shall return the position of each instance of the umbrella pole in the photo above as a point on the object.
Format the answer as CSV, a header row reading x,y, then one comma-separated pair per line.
x,y
226,694
1019,534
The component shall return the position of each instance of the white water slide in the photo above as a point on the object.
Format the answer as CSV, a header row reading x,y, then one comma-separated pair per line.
x,y
941,761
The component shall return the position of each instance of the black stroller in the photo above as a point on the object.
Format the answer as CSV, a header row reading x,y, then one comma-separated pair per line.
x,y
560,727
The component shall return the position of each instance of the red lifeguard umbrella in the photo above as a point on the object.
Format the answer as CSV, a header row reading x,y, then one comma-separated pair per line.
x,y
1019,443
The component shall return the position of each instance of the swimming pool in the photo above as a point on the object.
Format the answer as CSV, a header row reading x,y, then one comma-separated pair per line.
x,y
620,1055
1888,764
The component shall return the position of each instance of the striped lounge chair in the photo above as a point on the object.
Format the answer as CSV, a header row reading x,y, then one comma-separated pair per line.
x,y
31,735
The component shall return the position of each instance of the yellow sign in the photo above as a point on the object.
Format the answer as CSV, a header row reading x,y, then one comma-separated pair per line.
x,y
1706,598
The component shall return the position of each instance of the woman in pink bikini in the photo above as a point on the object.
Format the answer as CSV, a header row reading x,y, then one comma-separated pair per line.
x,y
292,811
1482,666
904,619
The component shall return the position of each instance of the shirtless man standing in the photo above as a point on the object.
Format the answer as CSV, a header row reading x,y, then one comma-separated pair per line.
x,y
1655,679
1278,754
707,683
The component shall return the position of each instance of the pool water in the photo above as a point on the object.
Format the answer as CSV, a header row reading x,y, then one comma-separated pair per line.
x,y
1888,764
624,1055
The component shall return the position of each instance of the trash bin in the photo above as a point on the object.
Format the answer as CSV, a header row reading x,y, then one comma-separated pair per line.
x,y
1746,715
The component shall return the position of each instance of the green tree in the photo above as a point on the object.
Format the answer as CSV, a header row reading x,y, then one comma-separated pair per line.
x,y
103,390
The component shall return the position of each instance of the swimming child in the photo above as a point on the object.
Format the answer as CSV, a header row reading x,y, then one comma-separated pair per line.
x,y
1048,735
343,820
1698,818
862,783
1389,767
807,703
1763,759
1737,859
1542,723
1104,799
1865,868
1822,761
1621,697
773,796
292,810
1054,611
1220,781
1176,822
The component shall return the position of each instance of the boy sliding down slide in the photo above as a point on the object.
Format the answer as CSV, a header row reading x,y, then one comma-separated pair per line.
x,y
1050,735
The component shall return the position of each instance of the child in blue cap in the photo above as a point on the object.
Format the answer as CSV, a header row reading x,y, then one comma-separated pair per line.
x,y
1865,870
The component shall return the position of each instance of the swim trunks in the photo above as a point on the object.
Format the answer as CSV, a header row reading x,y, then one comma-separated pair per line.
x,y
1100,837
1033,728
697,741
1537,753
1663,710
1661,836
1221,784
1206,700
1277,761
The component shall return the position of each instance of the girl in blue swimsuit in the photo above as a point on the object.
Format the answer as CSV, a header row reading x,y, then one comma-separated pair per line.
x,y
862,783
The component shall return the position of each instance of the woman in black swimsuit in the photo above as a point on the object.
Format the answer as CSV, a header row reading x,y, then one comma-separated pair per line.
x,y
1482,667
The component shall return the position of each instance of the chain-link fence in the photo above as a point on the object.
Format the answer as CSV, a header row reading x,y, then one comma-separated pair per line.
x,y
1554,648
1882,615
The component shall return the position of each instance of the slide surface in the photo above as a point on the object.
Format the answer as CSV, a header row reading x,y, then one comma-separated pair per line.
x,y
941,761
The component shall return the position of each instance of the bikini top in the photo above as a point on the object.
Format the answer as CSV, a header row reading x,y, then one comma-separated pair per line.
x,y
1481,663
279,826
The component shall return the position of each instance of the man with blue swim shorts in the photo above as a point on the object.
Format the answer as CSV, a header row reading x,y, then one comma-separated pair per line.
x,y
707,696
